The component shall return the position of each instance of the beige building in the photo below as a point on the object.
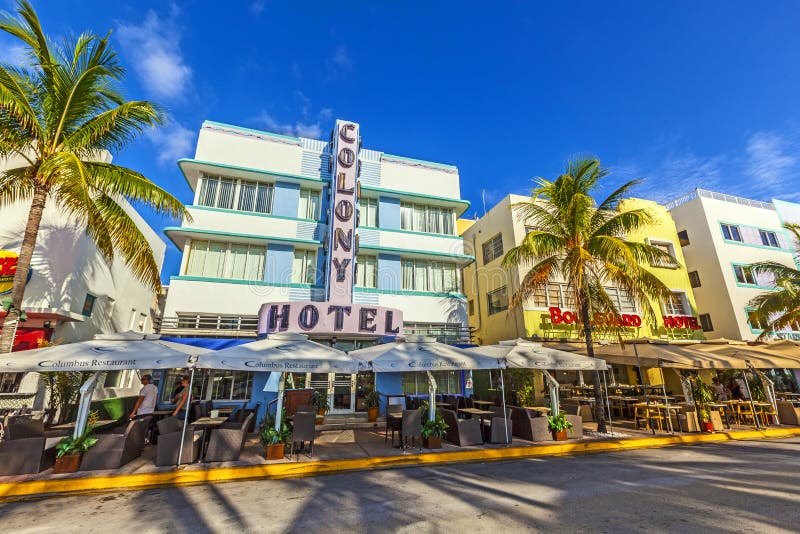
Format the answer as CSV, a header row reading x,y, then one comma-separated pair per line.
x,y
721,237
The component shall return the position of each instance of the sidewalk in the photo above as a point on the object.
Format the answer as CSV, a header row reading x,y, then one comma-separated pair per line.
x,y
347,450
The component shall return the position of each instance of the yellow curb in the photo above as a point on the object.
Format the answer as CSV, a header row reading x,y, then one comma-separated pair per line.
x,y
16,490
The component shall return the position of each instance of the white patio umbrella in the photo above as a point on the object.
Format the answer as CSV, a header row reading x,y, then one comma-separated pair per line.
x,y
420,353
524,354
106,352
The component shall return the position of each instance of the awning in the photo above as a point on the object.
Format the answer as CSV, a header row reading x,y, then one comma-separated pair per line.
x,y
520,353
420,353
110,352
758,356
283,353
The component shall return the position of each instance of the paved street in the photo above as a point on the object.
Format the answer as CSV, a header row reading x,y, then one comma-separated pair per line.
x,y
733,486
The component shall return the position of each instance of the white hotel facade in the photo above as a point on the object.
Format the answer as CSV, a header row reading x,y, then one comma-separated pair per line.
x,y
258,234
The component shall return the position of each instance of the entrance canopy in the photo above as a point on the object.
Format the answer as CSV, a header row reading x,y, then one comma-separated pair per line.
x,y
283,353
106,352
420,353
520,353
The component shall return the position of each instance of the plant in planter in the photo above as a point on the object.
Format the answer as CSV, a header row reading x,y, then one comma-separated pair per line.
x,y
559,425
274,440
433,431
373,402
69,450
320,403
703,396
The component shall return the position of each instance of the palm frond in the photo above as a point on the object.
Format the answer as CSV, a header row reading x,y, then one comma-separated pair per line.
x,y
114,129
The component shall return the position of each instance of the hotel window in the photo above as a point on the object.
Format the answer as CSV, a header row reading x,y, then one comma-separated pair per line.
x,y
367,271
304,267
497,300
705,322
694,279
769,239
421,275
731,232
755,320
621,299
428,219
218,192
744,274
9,382
309,204
676,304
255,197
368,212
666,247
492,249
683,238
88,305
237,261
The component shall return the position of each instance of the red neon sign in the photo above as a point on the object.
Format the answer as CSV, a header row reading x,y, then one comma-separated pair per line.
x,y
557,316
681,321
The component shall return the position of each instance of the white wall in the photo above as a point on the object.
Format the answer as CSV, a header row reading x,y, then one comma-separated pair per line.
x,y
233,146
416,177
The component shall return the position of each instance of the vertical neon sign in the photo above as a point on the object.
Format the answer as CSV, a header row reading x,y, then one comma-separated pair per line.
x,y
342,221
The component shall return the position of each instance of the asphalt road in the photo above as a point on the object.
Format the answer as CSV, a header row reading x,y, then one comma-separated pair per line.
x,y
729,487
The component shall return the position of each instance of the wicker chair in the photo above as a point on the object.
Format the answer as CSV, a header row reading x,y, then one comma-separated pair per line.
x,y
410,428
26,449
530,428
462,432
170,431
303,430
227,441
112,451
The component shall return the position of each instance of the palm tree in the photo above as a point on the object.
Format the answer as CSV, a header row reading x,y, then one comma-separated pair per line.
x,y
583,243
779,309
57,116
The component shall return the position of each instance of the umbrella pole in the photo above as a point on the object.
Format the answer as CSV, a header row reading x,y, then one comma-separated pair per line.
x,y
666,399
185,418
279,405
503,401
608,405
644,389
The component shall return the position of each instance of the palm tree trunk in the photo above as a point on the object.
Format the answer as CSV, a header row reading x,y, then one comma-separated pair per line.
x,y
599,414
11,320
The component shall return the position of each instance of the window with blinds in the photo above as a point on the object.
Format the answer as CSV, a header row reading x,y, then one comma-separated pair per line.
x,y
237,261
561,296
422,275
368,212
367,271
304,267
492,249
676,304
309,204
233,193
497,300
428,219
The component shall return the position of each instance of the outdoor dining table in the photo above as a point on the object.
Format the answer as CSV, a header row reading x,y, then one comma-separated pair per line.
x,y
476,411
206,424
482,403
541,410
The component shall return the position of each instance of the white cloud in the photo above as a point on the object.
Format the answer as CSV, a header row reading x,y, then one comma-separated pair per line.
x,y
341,62
325,114
768,160
154,46
257,7
673,174
172,142
312,130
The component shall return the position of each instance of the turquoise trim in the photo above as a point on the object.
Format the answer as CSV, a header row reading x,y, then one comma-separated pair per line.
x,y
187,278
169,229
413,251
465,203
242,128
429,234
460,296
272,174
240,212
748,309
753,245
445,165
740,243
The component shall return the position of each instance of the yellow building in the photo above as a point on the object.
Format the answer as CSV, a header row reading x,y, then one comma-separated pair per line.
x,y
551,314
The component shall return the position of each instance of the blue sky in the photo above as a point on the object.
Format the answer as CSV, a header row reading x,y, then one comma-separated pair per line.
x,y
682,94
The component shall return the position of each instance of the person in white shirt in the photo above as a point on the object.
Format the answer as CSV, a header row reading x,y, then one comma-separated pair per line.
x,y
146,403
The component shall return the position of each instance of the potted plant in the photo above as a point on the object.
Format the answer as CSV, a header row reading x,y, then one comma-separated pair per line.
x,y
320,403
433,431
703,396
274,440
69,450
373,402
559,425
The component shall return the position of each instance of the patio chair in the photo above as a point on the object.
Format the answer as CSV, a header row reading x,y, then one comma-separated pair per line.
x,y
394,417
576,432
411,427
530,428
241,414
788,413
170,430
462,432
303,430
112,451
495,432
26,448
227,441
